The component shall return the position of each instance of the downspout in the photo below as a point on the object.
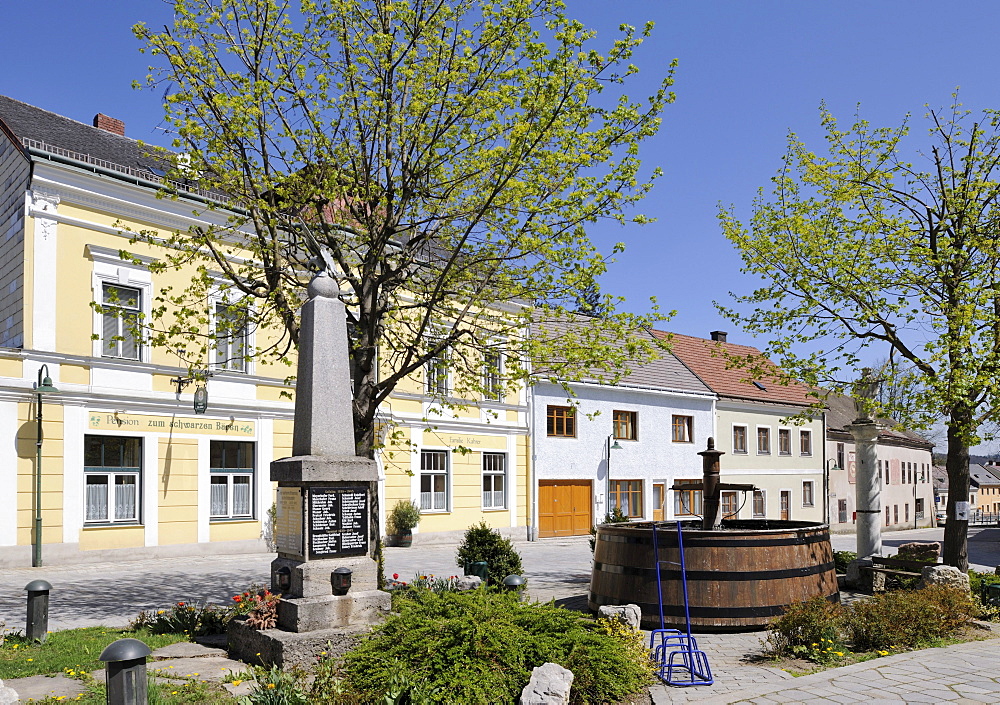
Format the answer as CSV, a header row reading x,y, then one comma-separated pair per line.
x,y
827,512
532,489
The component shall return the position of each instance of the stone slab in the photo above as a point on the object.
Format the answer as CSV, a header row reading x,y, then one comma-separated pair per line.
x,y
187,649
313,468
274,647
305,614
41,687
206,668
312,578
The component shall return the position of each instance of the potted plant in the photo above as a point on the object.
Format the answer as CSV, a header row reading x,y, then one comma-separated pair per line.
x,y
403,517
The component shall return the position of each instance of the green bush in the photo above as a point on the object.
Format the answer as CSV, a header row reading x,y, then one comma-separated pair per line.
x,y
908,619
480,647
481,543
404,516
842,559
184,618
811,629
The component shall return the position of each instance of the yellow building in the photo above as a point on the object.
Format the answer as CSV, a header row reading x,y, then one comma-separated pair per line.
x,y
127,467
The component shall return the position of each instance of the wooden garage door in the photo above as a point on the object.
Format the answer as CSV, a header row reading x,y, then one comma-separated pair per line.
x,y
564,508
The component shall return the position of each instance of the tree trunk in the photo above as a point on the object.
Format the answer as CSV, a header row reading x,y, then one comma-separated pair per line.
x,y
956,533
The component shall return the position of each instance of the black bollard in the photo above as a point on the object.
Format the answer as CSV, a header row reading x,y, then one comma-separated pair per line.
x,y
37,623
126,672
513,583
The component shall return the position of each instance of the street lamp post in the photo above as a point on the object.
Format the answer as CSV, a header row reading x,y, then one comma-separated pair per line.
x,y
44,386
610,448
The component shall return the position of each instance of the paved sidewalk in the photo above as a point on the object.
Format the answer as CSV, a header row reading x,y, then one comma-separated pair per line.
x,y
112,594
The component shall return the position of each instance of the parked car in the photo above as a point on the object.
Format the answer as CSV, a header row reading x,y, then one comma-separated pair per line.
x,y
942,517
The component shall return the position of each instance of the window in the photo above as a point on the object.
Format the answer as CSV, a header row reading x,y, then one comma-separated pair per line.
x,y
784,441
434,480
805,442
436,375
840,456
493,375
759,505
494,481
683,429
763,440
728,505
895,514
886,466
112,469
687,501
231,464
120,307
739,439
887,522
842,511
626,495
807,493
230,337
906,512
561,421
625,425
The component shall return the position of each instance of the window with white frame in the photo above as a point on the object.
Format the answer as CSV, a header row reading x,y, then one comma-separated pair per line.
x,y
840,456
231,465
687,500
784,441
436,375
120,308
112,475
759,505
763,440
739,439
494,480
808,497
805,442
434,480
231,337
493,375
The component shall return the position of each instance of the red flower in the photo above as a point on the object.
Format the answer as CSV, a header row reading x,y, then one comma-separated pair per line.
x,y
395,576
237,598
180,604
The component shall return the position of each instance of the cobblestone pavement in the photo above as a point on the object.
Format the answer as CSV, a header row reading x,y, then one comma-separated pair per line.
x,y
112,594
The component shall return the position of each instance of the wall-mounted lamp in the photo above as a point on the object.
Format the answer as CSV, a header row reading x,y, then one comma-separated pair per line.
x,y
610,448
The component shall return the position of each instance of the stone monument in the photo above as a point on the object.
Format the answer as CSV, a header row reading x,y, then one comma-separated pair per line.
x,y
867,488
324,503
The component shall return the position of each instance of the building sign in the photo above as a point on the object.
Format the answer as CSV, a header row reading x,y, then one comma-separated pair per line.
x,y
198,425
288,525
338,521
852,468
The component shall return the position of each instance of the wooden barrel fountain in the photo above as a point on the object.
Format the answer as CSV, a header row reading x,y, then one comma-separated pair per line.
x,y
740,575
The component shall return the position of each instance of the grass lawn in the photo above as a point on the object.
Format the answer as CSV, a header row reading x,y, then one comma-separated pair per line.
x,y
73,650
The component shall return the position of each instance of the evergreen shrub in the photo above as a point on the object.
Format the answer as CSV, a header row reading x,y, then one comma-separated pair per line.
x,y
480,647
481,543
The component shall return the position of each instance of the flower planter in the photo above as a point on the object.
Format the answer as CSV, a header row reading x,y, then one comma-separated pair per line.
x,y
405,539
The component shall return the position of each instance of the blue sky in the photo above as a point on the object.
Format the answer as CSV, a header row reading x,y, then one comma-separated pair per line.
x,y
749,72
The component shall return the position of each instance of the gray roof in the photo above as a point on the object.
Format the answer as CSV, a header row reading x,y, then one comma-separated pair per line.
x,y
31,123
981,476
665,372
841,413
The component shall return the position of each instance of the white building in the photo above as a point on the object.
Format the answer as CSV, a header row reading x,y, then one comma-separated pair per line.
x,y
631,440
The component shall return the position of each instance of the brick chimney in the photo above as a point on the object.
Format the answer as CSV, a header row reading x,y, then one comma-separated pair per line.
x,y
109,124
719,336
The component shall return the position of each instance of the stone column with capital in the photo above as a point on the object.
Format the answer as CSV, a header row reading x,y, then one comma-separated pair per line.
x,y
867,489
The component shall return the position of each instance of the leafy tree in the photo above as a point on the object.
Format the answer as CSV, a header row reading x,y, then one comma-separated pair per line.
x,y
864,247
444,158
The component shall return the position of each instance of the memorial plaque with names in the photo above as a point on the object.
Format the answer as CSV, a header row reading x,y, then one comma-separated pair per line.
x,y
338,521
288,525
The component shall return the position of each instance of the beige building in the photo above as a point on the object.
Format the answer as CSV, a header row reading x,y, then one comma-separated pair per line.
x,y
763,446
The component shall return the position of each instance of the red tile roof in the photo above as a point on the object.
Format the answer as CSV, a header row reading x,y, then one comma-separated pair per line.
x,y
707,359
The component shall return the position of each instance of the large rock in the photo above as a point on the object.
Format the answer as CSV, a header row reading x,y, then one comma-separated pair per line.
x,y
549,685
920,551
468,582
8,696
627,614
943,575
860,577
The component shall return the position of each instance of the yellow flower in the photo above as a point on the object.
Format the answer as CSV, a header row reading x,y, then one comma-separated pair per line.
x,y
270,686
173,692
839,653
237,682
31,659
